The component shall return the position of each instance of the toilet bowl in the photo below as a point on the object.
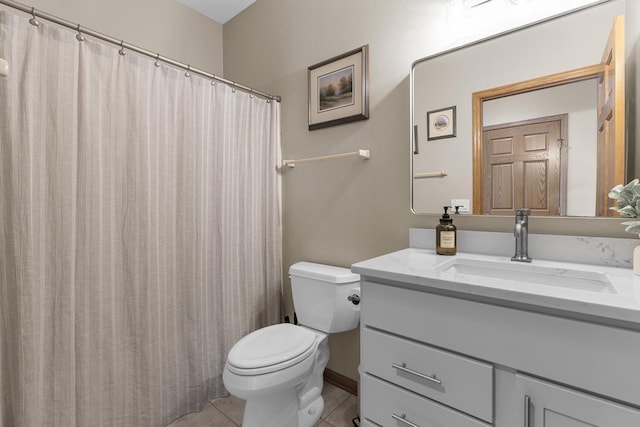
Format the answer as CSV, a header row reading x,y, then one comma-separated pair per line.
x,y
273,390
278,369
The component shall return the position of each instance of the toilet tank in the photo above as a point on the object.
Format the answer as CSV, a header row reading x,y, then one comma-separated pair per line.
x,y
320,296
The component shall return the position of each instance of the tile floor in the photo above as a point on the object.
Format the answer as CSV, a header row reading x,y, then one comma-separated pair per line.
x,y
340,407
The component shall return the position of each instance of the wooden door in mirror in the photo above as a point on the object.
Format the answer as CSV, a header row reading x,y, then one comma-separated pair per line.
x,y
611,119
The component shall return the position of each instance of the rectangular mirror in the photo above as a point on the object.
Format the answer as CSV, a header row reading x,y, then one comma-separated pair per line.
x,y
532,127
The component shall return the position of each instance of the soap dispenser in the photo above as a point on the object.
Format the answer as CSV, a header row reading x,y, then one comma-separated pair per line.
x,y
446,235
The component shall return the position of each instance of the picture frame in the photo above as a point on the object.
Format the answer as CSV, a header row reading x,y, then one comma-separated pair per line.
x,y
339,89
441,123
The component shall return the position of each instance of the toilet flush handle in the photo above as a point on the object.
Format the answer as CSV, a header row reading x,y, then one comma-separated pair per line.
x,y
355,299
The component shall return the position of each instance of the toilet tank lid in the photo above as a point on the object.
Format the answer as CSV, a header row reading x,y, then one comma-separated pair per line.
x,y
327,273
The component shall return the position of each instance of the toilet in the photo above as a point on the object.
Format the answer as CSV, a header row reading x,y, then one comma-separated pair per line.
x,y
278,369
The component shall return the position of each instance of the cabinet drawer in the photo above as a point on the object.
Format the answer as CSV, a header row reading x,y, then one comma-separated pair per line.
x,y
381,401
456,381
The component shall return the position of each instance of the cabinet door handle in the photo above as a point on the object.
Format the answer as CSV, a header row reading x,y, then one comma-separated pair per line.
x,y
402,419
527,406
402,367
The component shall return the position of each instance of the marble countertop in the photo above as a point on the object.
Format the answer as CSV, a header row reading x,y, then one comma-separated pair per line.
x,y
423,268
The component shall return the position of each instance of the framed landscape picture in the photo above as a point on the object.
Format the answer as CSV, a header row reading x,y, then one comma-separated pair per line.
x,y
339,89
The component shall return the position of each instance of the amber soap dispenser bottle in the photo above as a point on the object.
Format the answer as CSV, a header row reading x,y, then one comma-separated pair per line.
x,y
446,235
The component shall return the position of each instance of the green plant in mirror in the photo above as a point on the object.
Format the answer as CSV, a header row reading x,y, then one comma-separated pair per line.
x,y
627,199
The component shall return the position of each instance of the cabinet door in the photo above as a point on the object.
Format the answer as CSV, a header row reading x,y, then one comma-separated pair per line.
x,y
548,405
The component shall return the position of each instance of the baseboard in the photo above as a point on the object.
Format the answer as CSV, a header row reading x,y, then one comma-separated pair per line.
x,y
340,381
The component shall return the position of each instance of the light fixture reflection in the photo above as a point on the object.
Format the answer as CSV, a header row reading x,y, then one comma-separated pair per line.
x,y
474,3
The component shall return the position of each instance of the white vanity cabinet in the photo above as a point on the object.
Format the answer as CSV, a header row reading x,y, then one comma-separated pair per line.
x,y
435,358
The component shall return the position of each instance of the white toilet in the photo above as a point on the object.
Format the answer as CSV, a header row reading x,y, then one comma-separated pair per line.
x,y
278,369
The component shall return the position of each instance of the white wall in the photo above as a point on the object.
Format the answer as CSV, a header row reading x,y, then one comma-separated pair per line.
x,y
164,26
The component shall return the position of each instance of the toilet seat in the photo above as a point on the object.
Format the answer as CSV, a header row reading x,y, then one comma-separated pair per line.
x,y
271,349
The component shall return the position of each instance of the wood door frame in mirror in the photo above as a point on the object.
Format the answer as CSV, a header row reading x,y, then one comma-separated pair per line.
x,y
477,98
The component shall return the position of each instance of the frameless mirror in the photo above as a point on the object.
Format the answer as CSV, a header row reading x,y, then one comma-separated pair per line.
x,y
522,120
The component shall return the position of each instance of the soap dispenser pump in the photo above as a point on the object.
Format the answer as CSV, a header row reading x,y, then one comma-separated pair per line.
x,y
446,235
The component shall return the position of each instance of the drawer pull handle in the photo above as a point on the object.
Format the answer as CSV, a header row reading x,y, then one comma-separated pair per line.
x,y
527,408
404,368
401,418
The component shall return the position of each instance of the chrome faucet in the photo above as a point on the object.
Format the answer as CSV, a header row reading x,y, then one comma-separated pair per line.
x,y
521,232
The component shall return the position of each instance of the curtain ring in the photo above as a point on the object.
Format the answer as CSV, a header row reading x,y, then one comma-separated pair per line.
x,y
233,87
188,74
251,93
213,80
33,21
157,62
121,51
79,36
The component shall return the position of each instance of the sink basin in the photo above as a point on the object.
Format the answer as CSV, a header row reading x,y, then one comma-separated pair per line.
x,y
589,281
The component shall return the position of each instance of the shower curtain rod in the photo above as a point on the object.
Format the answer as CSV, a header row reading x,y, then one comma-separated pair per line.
x,y
123,45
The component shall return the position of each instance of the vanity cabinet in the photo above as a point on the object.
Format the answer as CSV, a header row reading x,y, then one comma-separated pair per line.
x,y
436,358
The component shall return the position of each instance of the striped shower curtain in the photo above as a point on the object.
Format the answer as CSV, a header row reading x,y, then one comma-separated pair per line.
x,y
139,231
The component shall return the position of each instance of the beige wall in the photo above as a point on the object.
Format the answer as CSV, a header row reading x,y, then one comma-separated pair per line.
x,y
164,26
335,212
343,211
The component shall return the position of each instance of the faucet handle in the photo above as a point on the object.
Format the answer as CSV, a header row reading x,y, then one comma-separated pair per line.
x,y
523,212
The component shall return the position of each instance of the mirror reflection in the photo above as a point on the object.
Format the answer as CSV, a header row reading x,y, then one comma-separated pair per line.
x,y
526,142
535,123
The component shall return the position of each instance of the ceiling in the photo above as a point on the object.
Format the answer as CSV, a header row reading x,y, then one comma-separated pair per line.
x,y
218,10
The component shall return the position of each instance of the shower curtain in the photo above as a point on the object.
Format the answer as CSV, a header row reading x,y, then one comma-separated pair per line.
x,y
139,231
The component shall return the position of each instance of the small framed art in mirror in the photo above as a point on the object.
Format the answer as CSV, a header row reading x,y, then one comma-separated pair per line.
x,y
441,123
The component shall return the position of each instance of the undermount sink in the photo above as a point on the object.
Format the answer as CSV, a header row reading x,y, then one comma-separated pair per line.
x,y
589,281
